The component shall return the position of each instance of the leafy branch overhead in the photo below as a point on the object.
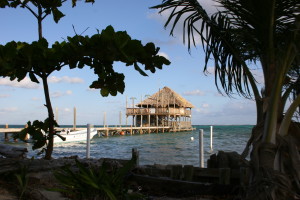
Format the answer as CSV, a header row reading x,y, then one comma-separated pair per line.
x,y
48,6
99,52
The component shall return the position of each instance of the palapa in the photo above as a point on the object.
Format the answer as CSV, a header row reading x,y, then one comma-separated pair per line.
x,y
164,98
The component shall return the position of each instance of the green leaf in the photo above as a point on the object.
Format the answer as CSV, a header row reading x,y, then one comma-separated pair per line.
x,y
136,67
87,1
57,15
150,48
104,92
284,127
33,78
3,3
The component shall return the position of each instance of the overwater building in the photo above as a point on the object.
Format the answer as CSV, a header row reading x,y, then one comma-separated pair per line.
x,y
165,108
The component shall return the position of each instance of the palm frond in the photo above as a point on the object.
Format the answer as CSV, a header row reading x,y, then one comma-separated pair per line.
x,y
220,40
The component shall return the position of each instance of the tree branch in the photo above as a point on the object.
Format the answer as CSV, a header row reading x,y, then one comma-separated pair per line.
x,y
26,6
44,16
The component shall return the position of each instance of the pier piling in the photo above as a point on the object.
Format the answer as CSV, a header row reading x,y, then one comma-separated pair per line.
x,y
74,120
135,156
201,149
6,138
88,141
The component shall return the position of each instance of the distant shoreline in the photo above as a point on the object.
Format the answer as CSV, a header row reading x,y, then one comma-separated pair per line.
x,y
68,125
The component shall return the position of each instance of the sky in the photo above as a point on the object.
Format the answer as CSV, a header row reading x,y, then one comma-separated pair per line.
x,y
24,101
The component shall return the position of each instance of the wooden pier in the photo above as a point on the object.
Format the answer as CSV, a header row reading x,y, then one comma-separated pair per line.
x,y
110,130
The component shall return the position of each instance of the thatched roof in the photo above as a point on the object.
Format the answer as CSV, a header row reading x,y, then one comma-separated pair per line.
x,y
165,97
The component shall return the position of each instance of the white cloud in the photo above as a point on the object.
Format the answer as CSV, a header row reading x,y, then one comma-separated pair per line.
x,y
56,94
25,83
35,98
6,110
4,95
205,105
246,107
202,111
67,110
60,94
91,89
218,94
164,55
258,75
65,79
69,92
210,70
194,93
210,7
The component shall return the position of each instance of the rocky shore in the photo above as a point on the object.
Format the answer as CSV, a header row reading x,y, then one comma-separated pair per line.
x,y
165,182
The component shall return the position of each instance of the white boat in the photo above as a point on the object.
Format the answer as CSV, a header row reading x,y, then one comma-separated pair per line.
x,y
74,136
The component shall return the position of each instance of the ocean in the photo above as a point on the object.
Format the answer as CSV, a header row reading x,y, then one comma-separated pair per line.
x,y
156,148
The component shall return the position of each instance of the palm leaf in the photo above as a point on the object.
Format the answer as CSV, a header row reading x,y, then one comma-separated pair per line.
x,y
283,130
220,40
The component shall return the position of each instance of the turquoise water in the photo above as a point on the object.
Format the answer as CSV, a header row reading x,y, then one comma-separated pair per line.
x,y
161,148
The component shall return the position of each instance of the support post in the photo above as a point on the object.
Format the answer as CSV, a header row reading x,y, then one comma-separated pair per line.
x,y
176,172
6,138
120,118
201,149
88,141
104,119
179,119
188,172
74,122
224,176
135,156
133,120
149,122
56,115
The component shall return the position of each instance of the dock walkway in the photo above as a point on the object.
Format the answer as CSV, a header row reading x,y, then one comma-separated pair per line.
x,y
112,130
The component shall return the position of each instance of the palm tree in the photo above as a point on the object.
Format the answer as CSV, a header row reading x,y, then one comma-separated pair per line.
x,y
265,33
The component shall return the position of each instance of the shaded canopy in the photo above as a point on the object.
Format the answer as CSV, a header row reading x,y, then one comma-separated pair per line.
x,y
165,97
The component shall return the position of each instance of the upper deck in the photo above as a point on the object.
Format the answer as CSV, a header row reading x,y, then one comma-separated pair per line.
x,y
159,111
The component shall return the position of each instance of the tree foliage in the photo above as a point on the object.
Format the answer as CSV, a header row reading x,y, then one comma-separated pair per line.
x,y
104,182
99,52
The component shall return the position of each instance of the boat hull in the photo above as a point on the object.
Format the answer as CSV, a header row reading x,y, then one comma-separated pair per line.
x,y
74,136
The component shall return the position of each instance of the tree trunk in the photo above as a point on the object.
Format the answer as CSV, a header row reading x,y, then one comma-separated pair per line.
x,y
49,148
40,19
275,167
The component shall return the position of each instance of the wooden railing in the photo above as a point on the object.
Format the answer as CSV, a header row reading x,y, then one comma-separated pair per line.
x,y
158,111
178,125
